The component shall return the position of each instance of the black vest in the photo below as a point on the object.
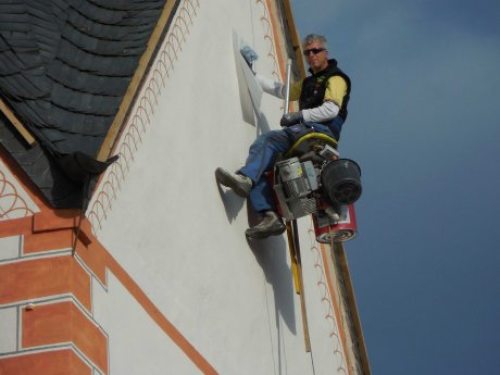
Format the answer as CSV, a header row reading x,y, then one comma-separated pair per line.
x,y
314,88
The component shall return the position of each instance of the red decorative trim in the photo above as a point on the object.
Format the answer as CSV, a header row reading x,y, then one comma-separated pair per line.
x,y
29,279
60,362
61,323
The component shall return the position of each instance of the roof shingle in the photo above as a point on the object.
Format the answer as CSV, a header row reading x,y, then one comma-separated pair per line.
x,y
65,66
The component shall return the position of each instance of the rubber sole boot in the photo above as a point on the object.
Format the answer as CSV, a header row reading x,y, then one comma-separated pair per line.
x,y
271,225
240,184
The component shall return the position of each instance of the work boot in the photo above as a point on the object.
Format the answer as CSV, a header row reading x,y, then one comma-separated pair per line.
x,y
271,225
239,183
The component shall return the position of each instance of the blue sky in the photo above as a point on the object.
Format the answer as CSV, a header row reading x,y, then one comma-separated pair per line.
x,y
424,125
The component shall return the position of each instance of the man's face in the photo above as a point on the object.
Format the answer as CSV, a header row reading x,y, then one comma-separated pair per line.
x,y
316,56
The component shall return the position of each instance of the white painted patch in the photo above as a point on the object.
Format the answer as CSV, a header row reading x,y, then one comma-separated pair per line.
x,y
9,247
8,330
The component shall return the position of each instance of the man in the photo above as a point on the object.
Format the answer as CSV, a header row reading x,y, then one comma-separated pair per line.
x,y
323,98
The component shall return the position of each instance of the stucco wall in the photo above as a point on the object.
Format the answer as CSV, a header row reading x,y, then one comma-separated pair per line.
x,y
181,237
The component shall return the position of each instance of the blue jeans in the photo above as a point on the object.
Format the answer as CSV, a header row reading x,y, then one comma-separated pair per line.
x,y
262,156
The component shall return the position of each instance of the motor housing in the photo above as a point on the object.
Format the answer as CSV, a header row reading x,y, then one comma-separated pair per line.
x,y
326,190
294,184
341,181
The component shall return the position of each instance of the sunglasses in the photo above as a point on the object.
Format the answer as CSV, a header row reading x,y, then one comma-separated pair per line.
x,y
314,51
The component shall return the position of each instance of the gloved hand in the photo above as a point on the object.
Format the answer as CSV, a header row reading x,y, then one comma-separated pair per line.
x,y
291,118
249,55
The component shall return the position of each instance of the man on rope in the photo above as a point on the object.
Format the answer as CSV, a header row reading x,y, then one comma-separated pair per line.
x,y
323,97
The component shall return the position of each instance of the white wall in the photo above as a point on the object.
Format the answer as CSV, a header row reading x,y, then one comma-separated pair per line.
x,y
136,346
182,238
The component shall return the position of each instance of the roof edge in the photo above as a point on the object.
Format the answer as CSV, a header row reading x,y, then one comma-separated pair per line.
x,y
339,248
353,308
140,73
294,37
18,125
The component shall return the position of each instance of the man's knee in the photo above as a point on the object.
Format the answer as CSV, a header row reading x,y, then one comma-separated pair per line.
x,y
278,137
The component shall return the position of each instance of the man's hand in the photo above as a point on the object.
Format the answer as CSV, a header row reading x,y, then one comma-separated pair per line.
x,y
249,55
291,118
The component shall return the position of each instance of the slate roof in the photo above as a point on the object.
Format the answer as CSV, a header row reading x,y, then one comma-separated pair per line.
x,y
65,66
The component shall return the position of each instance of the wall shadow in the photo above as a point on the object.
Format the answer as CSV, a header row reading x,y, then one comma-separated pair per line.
x,y
262,124
232,202
271,254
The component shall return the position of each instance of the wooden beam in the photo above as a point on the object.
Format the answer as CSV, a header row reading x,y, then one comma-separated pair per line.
x,y
345,275
296,268
5,109
135,83
294,36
